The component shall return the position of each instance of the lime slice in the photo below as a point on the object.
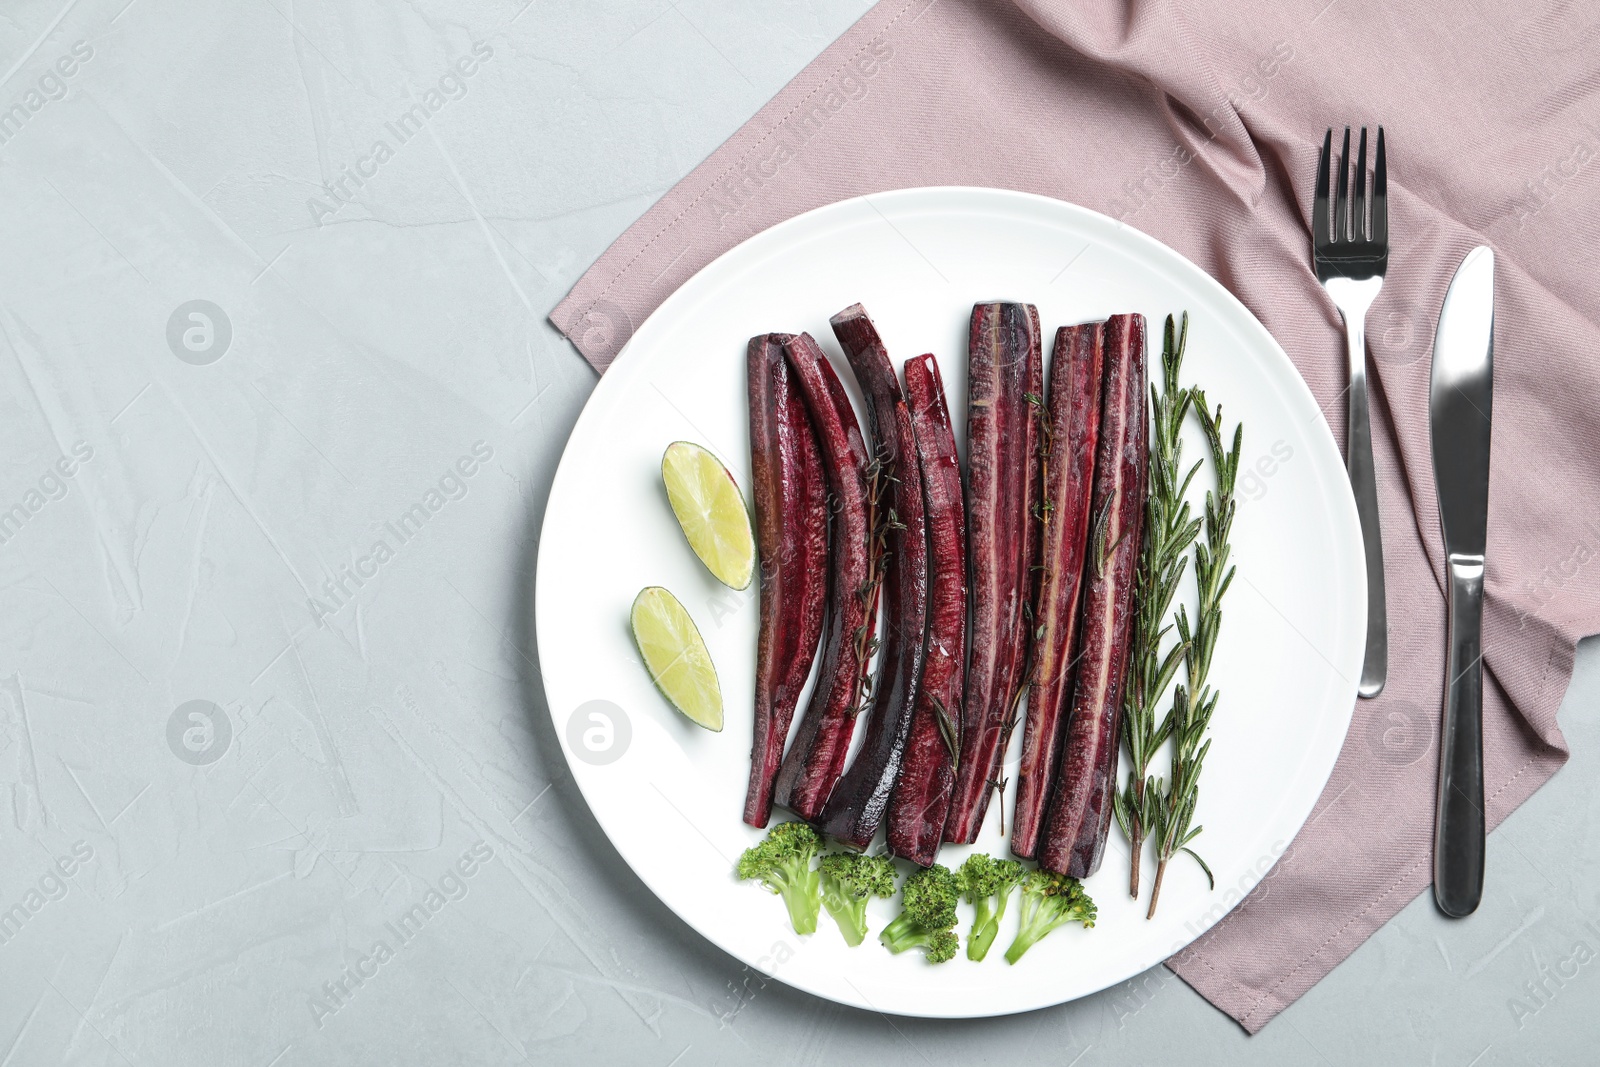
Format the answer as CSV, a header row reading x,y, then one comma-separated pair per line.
x,y
676,657
712,513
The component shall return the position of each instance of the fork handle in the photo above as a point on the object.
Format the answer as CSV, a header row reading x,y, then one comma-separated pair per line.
x,y
1364,483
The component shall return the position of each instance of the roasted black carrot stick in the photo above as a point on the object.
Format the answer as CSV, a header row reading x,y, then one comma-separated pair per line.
x,y
1002,372
921,796
790,496
857,803
816,756
1079,817
1067,455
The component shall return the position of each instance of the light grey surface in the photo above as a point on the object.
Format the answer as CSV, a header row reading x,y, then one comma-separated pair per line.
x,y
373,344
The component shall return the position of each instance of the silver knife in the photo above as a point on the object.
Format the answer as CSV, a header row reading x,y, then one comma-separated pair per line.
x,y
1459,404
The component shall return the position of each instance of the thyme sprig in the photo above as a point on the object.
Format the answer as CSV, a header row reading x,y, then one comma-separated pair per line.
x,y
1169,531
950,732
880,520
1195,700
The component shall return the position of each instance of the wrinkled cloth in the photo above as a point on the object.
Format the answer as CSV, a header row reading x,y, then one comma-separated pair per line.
x,y
1204,132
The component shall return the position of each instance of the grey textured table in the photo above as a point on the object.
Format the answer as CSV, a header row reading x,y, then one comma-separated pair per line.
x,y
272,295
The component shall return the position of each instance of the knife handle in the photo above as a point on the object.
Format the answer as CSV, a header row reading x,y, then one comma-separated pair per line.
x,y
1458,840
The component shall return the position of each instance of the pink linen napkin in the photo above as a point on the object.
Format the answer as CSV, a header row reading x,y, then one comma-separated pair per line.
x,y
1204,132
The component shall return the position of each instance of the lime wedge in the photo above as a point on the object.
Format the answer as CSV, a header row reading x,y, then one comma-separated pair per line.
x,y
676,656
706,500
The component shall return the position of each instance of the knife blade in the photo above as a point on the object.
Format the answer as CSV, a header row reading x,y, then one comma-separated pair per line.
x,y
1459,407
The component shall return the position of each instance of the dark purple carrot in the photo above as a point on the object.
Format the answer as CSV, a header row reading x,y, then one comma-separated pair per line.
x,y
791,505
921,796
817,754
1080,803
857,803
1003,372
1020,675
1067,455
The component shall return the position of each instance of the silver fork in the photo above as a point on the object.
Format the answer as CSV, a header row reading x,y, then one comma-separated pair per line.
x,y
1351,256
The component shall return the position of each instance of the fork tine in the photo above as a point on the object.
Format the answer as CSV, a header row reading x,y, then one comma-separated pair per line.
x,y
1358,208
1319,205
1380,196
1341,204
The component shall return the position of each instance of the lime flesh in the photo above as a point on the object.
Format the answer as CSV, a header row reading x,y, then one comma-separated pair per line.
x,y
711,511
676,657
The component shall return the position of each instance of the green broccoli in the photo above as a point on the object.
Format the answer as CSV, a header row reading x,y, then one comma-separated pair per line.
x,y
929,916
987,883
782,863
849,880
1049,900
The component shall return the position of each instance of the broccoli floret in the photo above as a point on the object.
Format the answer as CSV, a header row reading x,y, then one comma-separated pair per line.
x,y
986,883
1049,900
782,863
849,880
929,915
941,946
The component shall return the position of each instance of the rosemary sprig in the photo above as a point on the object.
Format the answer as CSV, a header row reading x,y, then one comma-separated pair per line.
x,y
1194,699
1170,530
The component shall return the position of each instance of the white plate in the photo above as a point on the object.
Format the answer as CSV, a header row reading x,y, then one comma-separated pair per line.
x,y
670,794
